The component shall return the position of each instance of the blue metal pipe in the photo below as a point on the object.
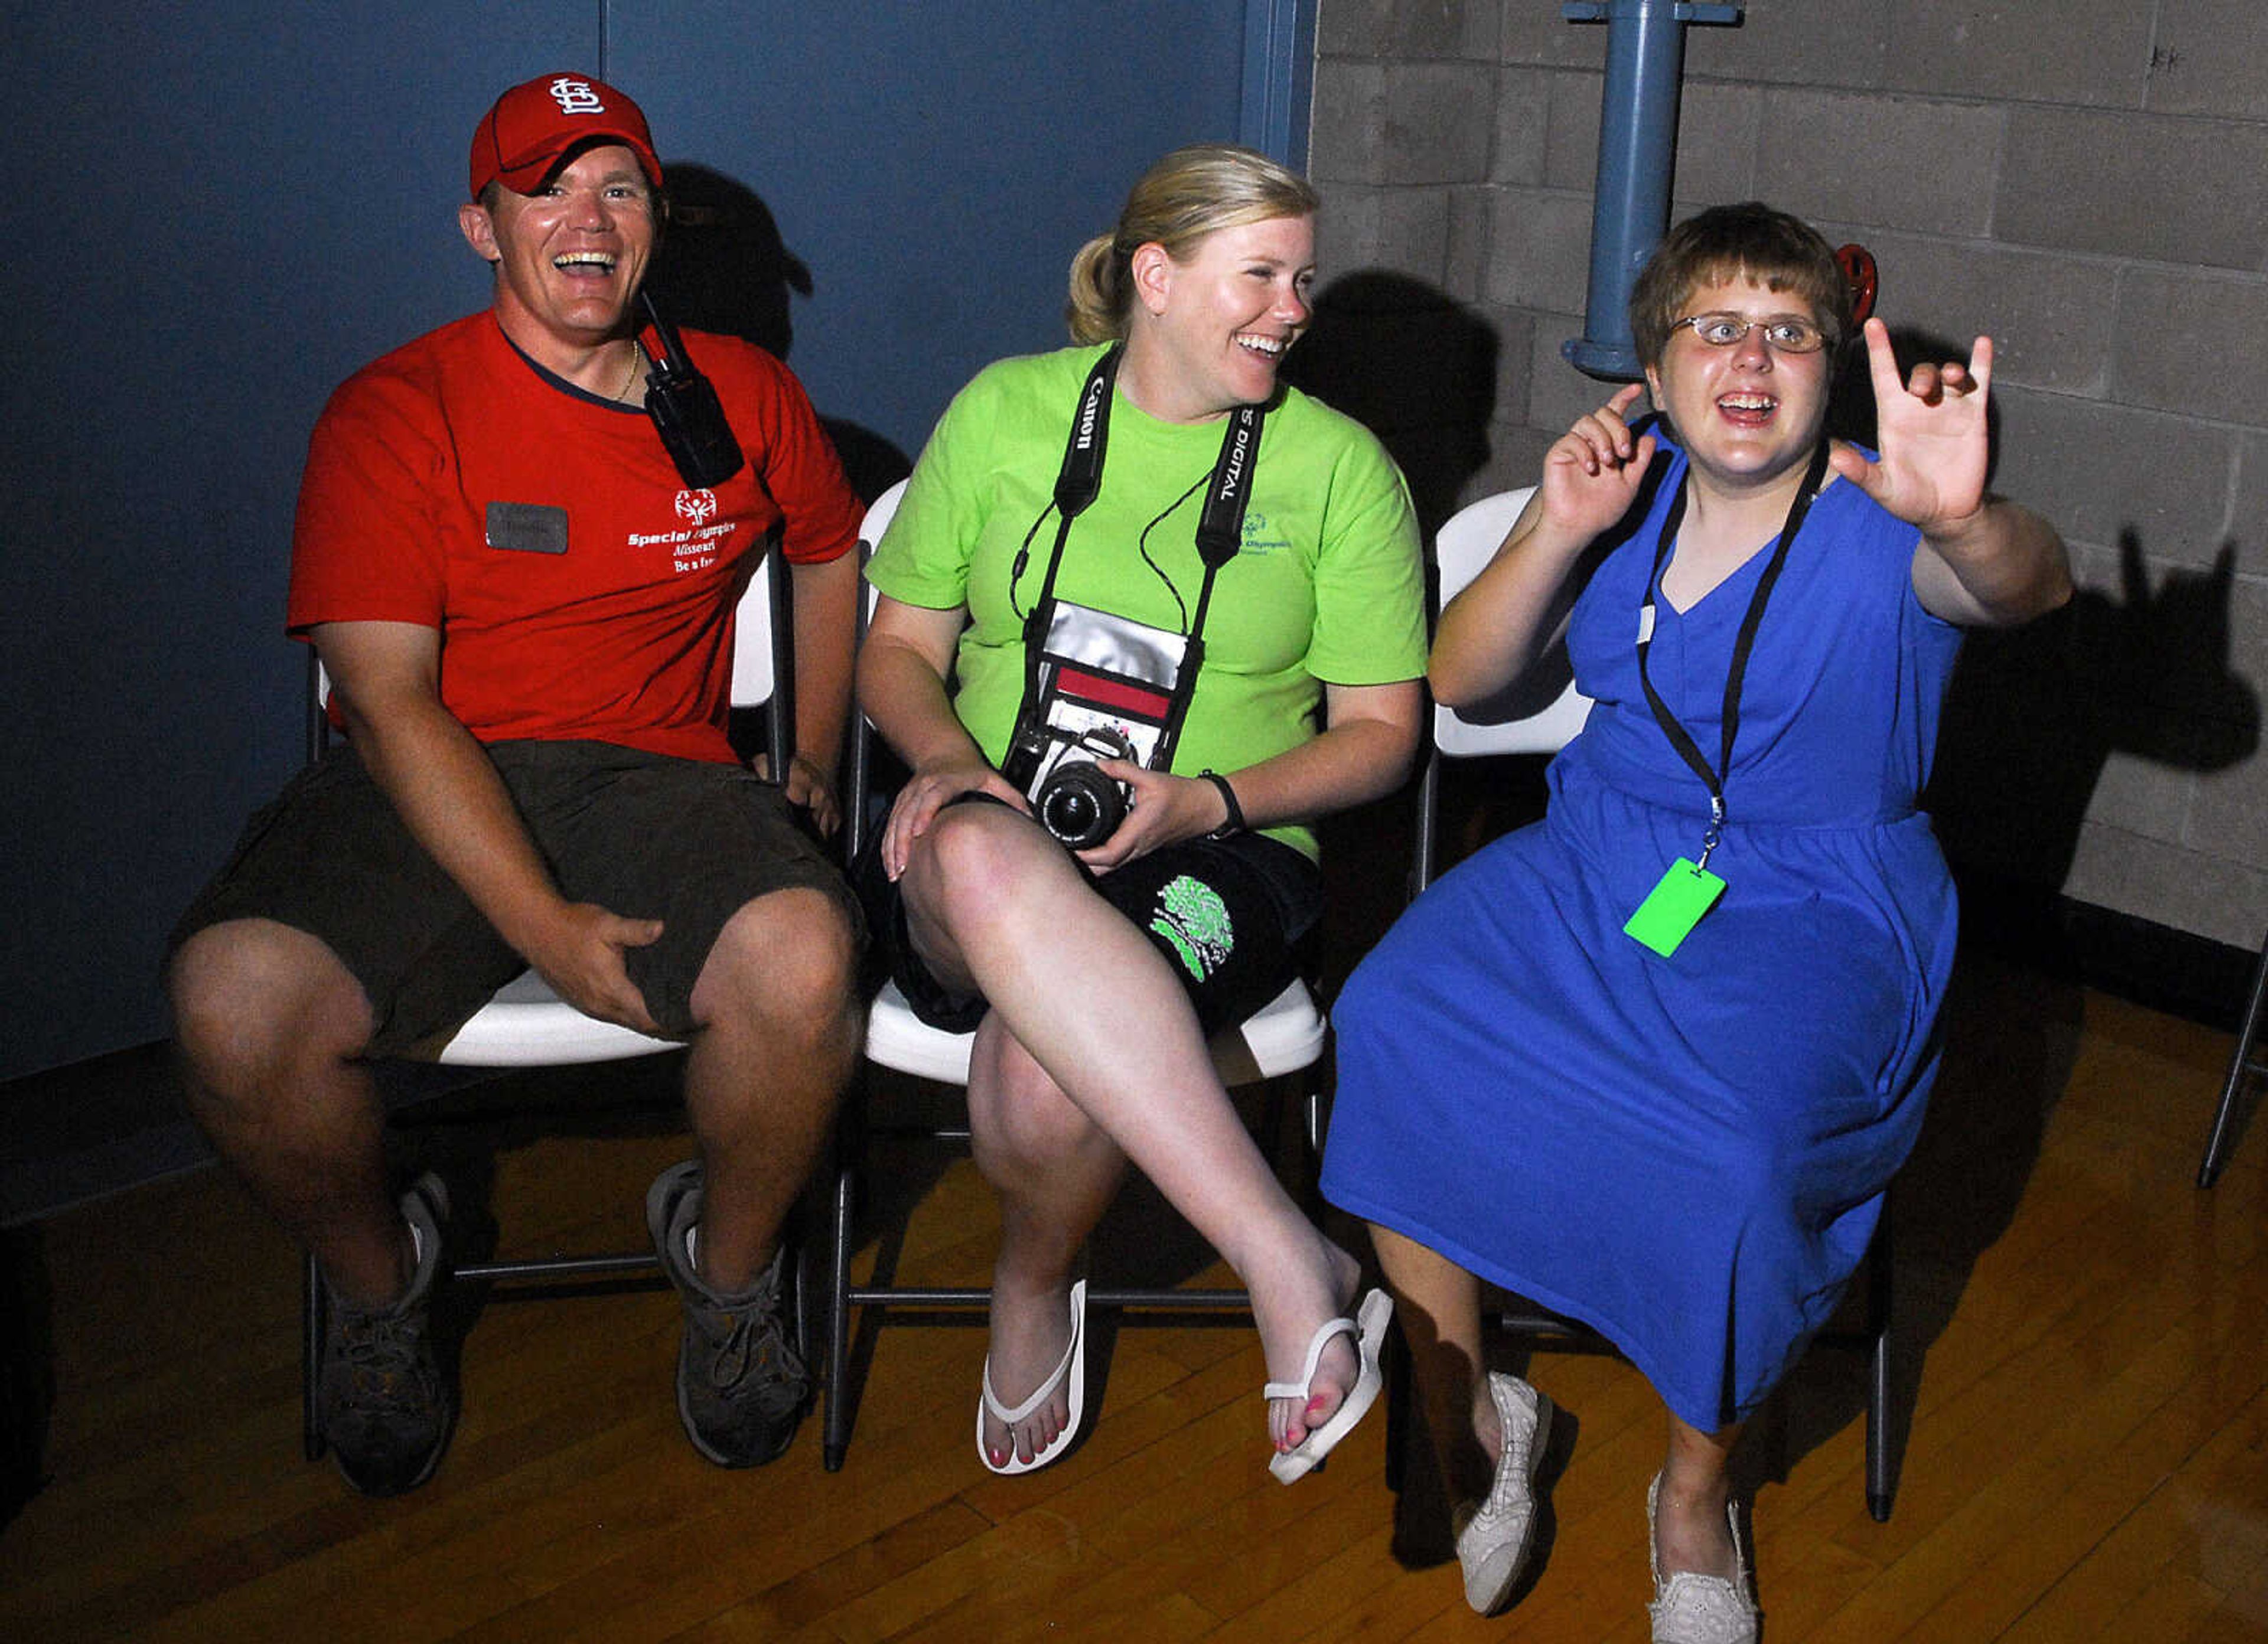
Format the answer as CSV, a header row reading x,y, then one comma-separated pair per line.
x,y
1637,146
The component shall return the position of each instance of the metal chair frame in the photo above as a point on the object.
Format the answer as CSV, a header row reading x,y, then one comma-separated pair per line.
x,y
2244,1064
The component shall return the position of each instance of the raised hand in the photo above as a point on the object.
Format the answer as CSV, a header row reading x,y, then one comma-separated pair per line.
x,y
1592,473
1935,444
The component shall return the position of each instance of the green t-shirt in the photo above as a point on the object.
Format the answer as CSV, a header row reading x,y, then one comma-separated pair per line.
x,y
1328,585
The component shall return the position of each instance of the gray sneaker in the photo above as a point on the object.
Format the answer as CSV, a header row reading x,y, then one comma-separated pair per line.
x,y
742,1385
1494,1534
387,1408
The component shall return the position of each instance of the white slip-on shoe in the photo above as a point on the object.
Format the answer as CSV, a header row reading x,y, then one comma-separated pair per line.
x,y
1690,1607
1494,1534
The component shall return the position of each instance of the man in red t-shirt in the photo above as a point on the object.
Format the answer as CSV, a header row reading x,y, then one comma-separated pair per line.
x,y
524,609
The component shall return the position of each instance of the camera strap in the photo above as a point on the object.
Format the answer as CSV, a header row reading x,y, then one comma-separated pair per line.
x,y
1219,533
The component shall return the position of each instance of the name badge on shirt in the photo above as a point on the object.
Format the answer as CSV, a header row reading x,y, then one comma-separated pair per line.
x,y
1674,906
527,527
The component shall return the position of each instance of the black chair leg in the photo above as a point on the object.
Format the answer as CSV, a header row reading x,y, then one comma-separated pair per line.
x,y
311,1358
2241,1068
1878,1372
1401,1397
836,1435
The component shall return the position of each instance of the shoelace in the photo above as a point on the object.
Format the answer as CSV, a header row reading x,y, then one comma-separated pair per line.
x,y
754,1342
1512,1471
382,1355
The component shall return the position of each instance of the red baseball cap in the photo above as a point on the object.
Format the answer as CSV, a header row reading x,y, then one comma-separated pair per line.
x,y
523,138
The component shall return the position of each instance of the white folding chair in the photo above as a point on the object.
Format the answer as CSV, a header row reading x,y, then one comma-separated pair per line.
x,y
525,1025
1283,1039
1540,714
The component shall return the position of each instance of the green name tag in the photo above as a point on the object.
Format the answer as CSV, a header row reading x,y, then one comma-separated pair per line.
x,y
1674,906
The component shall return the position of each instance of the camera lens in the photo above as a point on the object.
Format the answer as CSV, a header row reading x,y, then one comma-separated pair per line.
x,y
1081,805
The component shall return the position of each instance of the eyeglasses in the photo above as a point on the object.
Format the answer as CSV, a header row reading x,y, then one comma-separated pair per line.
x,y
1784,334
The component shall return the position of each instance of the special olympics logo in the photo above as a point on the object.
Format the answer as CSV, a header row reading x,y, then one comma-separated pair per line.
x,y
575,97
696,508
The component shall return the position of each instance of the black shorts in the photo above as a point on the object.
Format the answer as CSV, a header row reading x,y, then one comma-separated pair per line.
x,y
1228,915
643,835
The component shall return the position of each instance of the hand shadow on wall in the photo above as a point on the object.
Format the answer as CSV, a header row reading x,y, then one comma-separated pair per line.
x,y
723,266
2035,712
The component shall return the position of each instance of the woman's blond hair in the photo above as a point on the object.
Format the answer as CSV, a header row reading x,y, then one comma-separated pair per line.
x,y
1190,193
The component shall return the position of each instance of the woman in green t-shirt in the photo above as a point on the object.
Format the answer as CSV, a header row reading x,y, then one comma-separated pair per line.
x,y
1061,496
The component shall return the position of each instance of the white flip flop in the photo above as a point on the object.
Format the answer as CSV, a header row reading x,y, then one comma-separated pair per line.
x,y
1073,1366
1368,1327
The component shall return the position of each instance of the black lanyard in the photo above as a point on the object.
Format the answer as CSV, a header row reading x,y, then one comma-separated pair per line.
x,y
1220,525
1743,645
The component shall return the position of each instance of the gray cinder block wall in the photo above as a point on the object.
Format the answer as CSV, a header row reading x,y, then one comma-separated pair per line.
x,y
2087,180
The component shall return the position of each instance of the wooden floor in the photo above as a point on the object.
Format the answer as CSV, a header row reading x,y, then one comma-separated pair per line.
x,y
2087,1456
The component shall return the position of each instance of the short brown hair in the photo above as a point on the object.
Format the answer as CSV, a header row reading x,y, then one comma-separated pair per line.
x,y
1779,252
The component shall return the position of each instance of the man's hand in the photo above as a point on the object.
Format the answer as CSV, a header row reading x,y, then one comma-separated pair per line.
x,y
582,959
808,786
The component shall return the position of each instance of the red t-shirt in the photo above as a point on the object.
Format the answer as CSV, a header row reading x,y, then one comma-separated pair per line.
x,y
581,589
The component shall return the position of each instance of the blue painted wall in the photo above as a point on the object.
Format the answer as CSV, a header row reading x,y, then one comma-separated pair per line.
x,y
219,211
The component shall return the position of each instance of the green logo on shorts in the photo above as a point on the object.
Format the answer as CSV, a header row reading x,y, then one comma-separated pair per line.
x,y
1192,917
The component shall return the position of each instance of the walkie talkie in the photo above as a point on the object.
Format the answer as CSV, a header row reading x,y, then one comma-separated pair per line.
x,y
683,406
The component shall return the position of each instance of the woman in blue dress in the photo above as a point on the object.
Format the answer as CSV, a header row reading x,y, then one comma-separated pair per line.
x,y
1652,1061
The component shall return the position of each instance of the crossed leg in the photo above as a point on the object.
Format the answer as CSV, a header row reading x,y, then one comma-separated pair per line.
x,y
995,906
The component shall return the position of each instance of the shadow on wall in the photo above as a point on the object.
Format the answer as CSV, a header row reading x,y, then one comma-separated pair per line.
x,y
723,266
2035,712
1418,370
1413,365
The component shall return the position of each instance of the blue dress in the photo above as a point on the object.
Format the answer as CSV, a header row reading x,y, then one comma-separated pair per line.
x,y
1687,1153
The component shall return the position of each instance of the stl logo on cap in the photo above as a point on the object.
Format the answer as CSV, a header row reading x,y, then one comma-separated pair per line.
x,y
532,129
575,97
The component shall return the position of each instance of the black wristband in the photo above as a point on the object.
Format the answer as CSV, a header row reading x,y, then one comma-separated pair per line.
x,y
1235,823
